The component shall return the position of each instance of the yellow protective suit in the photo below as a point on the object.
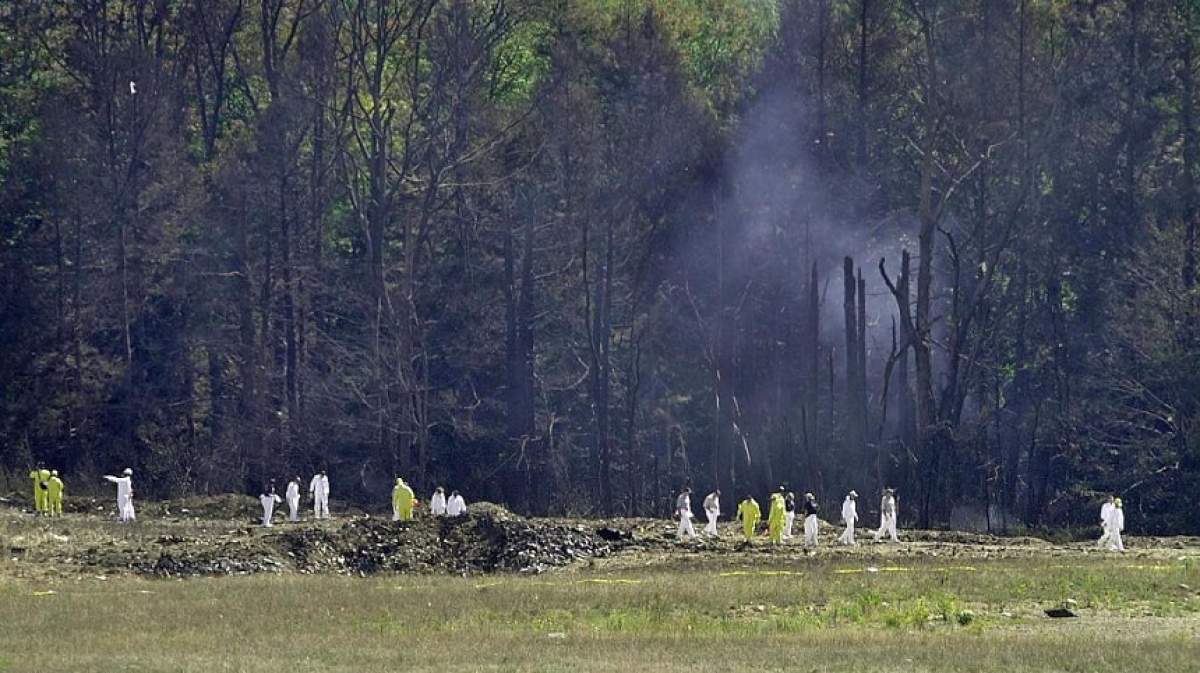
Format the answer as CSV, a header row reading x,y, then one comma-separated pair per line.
x,y
775,518
750,514
402,501
55,494
39,496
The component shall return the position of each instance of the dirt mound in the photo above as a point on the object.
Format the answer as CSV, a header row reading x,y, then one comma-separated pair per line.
x,y
488,540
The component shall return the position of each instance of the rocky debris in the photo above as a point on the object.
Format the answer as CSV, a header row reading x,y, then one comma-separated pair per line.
x,y
482,542
963,537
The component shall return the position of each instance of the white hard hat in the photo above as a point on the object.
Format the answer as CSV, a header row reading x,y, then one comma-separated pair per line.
x,y
128,470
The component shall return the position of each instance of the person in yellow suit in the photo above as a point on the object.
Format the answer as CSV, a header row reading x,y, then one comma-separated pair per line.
x,y
42,484
39,496
402,501
775,518
55,494
750,514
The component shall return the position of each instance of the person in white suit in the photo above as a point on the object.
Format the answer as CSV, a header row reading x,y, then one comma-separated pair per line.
x,y
1116,526
1105,514
124,495
887,516
712,510
319,489
268,501
849,517
292,495
437,503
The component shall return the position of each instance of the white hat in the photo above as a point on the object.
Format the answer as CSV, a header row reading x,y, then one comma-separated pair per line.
x,y
128,470
853,494
53,473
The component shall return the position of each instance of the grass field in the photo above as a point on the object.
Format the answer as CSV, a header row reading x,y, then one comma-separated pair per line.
x,y
829,615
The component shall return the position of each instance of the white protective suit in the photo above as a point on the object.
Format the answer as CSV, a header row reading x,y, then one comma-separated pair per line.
x,y
849,517
1116,525
887,518
319,488
437,503
268,500
812,525
712,510
456,506
292,495
683,509
124,495
1106,535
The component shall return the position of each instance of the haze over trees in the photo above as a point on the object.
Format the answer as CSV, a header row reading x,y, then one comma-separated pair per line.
x,y
572,255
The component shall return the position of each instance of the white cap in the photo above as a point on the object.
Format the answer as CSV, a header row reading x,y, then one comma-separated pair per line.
x,y
53,473
128,471
853,494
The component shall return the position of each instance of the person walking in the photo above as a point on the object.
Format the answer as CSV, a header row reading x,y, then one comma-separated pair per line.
x,y
887,516
849,517
683,509
775,517
402,501
749,512
811,523
712,510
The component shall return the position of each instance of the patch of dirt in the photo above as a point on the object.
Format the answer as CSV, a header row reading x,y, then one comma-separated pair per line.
x,y
218,536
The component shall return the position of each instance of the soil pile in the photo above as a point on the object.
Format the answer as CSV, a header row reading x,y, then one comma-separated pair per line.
x,y
489,539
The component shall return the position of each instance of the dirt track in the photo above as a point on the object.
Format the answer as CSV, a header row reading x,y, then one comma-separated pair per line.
x,y
218,536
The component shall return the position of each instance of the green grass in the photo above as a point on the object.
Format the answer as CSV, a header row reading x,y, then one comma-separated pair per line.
x,y
826,616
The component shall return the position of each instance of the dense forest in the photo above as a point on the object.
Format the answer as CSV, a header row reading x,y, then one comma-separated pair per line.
x,y
573,255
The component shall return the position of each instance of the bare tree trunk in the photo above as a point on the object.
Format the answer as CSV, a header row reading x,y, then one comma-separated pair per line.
x,y
812,363
1188,126
860,144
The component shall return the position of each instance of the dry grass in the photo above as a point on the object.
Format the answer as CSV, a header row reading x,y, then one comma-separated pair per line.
x,y
931,616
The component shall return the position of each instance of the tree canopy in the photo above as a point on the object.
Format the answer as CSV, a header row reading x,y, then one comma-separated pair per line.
x,y
574,255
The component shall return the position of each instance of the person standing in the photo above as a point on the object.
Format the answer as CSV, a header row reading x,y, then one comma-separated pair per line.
x,y
268,501
811,523
849,517
55,494
789,516
683,509
319,489
124,494
402,501
39,495
437,503
1116,526
456,505
775,516
887,516
712,510
749,512
1105,514
292,495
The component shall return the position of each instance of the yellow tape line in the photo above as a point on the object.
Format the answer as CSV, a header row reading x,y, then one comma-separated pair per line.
x,y
744,573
